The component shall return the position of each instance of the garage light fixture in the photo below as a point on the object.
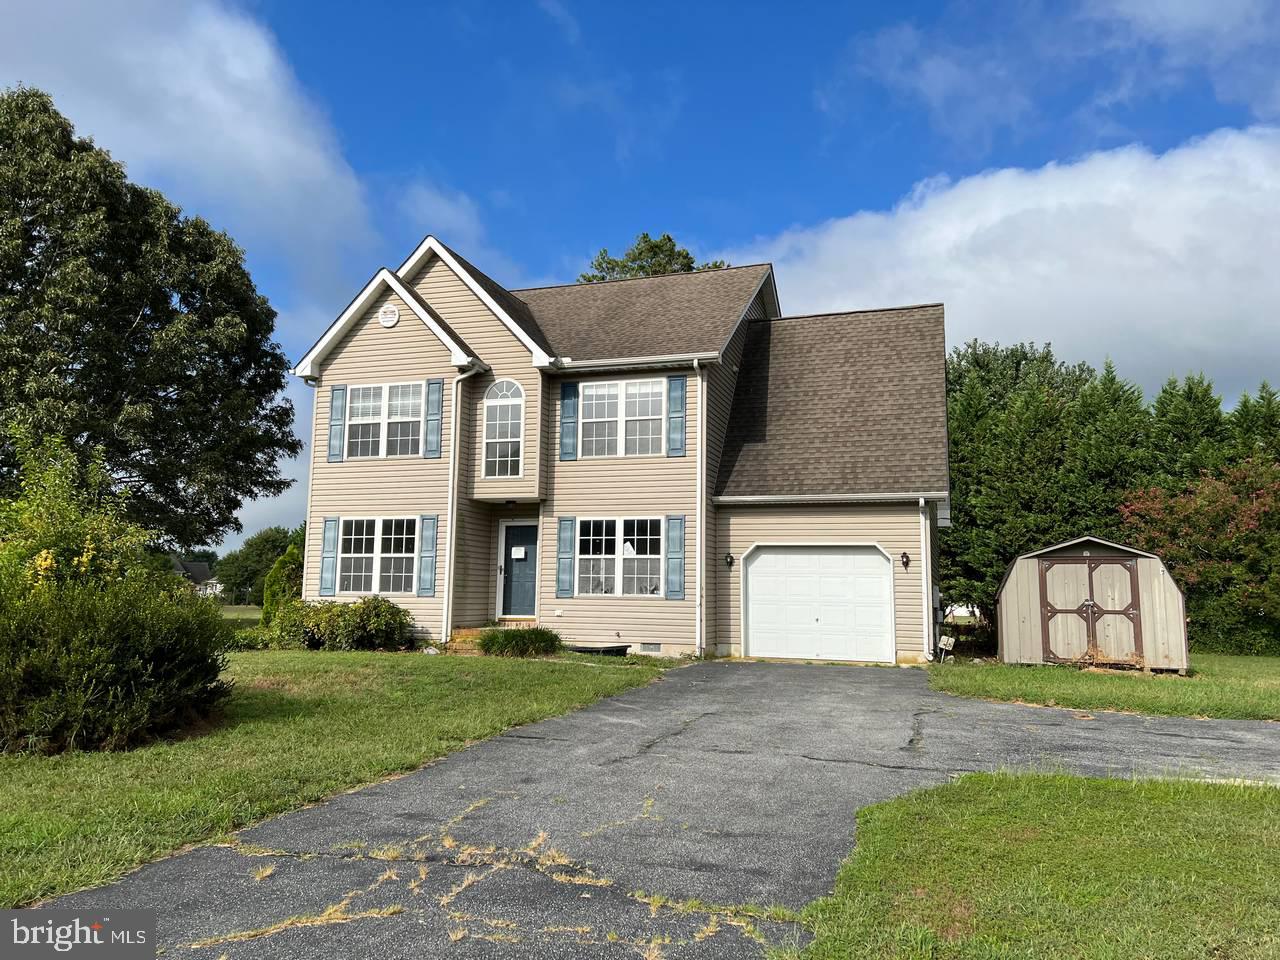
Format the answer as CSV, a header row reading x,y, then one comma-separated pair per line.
x,y
906,560
728,559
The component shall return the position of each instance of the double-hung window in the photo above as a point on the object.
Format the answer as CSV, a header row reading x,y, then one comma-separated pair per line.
x,y
404,419
626,565
393,411
503,429
364,422
379,552
631,409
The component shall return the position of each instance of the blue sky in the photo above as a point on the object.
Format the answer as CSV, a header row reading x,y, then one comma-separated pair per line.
x,y
1102,174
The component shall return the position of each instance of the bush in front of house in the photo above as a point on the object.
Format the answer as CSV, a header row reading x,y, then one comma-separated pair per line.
x,y
371,623
519,642
98,649
105,665
283,583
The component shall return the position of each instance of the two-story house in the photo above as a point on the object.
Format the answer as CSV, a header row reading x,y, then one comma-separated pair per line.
x,y
666,462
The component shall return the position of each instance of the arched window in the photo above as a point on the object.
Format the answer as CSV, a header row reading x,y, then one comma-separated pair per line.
x,y
503,429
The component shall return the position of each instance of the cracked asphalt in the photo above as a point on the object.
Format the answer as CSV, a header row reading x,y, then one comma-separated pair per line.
x,y
587,835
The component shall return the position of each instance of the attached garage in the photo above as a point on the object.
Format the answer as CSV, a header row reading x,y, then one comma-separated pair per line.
x,y
1091,601
818,602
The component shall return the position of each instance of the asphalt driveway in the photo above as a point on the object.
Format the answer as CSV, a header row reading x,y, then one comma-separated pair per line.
x,y
584,836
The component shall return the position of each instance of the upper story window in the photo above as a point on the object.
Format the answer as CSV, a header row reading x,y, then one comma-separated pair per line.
x,y
632,410
393,412
503,429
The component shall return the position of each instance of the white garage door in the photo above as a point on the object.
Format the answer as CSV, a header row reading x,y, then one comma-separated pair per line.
x,y
819,603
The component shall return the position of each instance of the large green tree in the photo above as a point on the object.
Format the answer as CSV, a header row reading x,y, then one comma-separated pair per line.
x,y
244,572
129,328
647,257
1255,426
1189,431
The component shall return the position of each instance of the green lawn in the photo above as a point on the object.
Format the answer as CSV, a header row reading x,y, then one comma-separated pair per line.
x,y
298,727
242,615
1039,867
1239,688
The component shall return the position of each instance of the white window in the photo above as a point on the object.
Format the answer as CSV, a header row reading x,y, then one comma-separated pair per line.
x,y
643,417
642,557
503,429
632,569
364,422
404,419
599,419
381,551
393,411
633,410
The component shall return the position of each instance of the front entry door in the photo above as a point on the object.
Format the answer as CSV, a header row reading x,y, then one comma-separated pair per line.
x,y
519,573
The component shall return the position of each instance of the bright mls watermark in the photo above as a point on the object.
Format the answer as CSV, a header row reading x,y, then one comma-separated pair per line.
x,y
113,935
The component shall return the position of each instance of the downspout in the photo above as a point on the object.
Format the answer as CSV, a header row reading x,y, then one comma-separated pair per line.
x,y
451,509
699,631
926,564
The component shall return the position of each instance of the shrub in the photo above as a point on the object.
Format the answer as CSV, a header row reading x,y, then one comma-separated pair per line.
x,y
371,623
283,583
103,666
519,642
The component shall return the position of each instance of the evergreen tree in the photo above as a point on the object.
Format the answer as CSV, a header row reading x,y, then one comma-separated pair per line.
x,y
1189,433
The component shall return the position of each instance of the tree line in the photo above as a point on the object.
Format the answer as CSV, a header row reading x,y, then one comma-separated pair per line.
x,y
1044,450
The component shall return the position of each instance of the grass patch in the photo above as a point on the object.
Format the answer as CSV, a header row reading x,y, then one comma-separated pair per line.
x,y
1040,867
241,616
1228,687
298,727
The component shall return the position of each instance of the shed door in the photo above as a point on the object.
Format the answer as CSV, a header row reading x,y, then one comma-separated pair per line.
x,y
1090,610
818,603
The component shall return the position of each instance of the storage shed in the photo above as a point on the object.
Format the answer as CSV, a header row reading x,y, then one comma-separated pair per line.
x,y
1092,601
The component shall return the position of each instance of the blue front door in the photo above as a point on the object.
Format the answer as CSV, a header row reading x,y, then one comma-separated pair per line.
x,y
519,570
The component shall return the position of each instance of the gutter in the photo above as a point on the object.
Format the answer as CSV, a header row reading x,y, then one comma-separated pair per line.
x,y
451,511
670,360
700,486
831,498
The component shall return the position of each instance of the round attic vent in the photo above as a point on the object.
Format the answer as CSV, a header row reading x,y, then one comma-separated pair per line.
x,y
389,316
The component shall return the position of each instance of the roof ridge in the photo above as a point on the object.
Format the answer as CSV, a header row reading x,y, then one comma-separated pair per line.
x,y
655,276
846,313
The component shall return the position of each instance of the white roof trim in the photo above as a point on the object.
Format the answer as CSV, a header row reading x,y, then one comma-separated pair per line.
x,y
431,245
830,498
682,359
309,366
1071,543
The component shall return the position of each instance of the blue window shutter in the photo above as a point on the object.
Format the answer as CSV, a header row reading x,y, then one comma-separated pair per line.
x,y
427,556
568,421
675,558
677,387
564,556
431,419
329,558
337,421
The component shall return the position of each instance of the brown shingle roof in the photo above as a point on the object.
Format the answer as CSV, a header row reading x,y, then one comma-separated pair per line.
x,y
840,404
679,313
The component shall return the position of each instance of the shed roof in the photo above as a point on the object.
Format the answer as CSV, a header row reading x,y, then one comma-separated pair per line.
x,y
1078,541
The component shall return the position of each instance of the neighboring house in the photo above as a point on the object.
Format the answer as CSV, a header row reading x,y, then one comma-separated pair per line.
x,y
198,574
664,462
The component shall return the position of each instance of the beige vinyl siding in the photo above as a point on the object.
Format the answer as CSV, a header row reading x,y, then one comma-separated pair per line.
x,y
894,527
380,487
656,486
508,359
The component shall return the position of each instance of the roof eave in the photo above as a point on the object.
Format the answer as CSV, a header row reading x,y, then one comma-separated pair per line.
x,y
782,498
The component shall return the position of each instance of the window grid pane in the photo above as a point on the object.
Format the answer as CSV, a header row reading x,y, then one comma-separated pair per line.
x,y
599,411
643,414
365,403
404,401
642,557
364,440
404,438
503,429
398,547
597,547
355,572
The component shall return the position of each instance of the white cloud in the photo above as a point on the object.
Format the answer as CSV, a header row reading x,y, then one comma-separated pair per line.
x,y
1233,41
565,20
969,93
198,98
1166,263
